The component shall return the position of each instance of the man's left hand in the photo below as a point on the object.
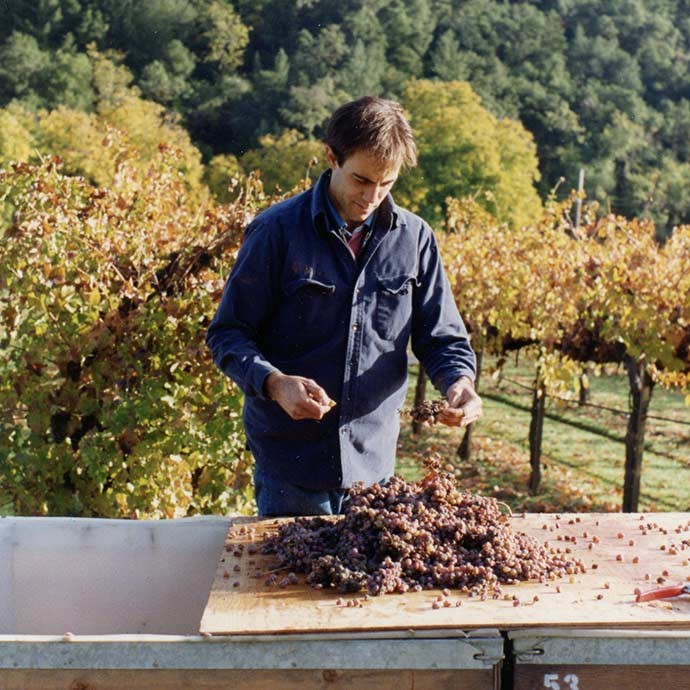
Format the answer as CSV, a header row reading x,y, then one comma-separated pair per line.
x,y
464,405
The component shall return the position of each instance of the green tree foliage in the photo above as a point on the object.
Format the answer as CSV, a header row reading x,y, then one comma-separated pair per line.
x,y
109,402
16,137
145,29
590,80
167,80
222,175
43,78
81,138
285,161
226,35
410,26
464,150
234,71
51,20
513,54
572,73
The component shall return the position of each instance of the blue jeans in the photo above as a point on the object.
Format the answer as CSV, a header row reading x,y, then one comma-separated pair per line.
x,y
276,498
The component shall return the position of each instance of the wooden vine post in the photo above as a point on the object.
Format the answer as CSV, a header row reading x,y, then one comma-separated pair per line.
x,y
465,448
419,396
641,387
583,398
536,429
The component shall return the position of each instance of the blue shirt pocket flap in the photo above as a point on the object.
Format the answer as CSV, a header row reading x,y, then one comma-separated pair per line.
x,y
297,284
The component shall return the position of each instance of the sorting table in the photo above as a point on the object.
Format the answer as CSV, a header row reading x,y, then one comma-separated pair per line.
x,y
591,610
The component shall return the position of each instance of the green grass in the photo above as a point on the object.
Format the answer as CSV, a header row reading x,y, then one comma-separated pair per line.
x,y
582,470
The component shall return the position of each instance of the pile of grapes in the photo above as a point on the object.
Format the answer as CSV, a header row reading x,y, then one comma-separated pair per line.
x,y
405,536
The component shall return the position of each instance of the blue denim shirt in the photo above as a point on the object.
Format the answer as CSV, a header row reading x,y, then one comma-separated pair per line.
x,y
298,302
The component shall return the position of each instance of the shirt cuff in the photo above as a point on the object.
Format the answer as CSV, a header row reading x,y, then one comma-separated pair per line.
x,y
259,376
449,379
253,378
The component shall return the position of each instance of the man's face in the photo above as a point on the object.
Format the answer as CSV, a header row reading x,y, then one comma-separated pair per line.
x,y
359,185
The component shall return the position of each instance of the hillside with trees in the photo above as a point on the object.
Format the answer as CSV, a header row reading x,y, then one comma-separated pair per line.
x,y
599,85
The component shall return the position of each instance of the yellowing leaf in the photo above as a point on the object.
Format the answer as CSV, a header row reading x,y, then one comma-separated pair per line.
x,y
94,297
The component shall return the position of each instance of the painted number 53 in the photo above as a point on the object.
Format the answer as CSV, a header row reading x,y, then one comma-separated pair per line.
x,y
553,681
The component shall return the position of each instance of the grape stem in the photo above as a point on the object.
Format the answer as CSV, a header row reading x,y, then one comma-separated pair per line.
x,y
275,570
501,503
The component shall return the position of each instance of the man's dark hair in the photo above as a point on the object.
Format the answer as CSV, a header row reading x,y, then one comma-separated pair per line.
x,y
372,124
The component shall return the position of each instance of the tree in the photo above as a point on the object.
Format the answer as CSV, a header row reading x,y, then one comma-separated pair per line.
x,y
284,161
16,136
363,71
148,126
83,141
68,81
221,175
144,30
167,81
464,150
448,60
23,65
226,36
235,70
317,57
409,27
78,138
308,107
49,21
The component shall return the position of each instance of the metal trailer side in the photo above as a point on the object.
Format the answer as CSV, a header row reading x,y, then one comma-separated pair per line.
x,y
600,659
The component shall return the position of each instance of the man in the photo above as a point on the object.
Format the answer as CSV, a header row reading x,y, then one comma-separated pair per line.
x,y
328,288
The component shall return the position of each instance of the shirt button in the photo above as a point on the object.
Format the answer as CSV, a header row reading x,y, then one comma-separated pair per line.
x,y
354,328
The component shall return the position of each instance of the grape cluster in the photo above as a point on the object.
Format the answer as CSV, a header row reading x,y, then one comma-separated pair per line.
x,y
403,536
428,410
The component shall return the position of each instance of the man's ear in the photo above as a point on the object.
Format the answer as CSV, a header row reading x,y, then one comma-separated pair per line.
x,y
331,157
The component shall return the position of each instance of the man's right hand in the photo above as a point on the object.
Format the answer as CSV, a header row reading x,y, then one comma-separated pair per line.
x,y
300,397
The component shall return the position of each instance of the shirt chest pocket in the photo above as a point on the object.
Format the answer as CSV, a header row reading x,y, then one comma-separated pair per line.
x,y
393,305
309,302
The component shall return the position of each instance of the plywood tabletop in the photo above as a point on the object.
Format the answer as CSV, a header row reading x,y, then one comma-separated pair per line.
x,y
620,552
